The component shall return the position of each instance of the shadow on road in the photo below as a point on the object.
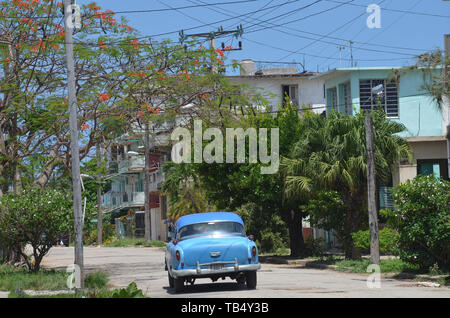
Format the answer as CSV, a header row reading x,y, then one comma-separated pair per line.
x,y
207,287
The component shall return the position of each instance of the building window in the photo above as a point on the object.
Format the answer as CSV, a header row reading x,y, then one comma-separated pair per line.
x,y
438,168
290,91
386,97
331,99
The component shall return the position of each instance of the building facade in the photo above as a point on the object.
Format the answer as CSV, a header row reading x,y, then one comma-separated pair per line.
x,y
277,83
401,94
126,163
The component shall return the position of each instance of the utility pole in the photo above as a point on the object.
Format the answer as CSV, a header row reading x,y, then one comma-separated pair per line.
x,y
147,224
371,201
99,198
211,37
351,52
340,47
75,151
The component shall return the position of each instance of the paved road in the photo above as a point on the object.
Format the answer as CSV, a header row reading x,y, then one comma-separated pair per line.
x,y
145,266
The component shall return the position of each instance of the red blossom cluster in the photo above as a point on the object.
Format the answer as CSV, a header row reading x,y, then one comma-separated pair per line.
x,y
104,97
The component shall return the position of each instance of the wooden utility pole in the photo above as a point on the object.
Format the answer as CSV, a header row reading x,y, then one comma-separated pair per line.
x,y
75,151
371,191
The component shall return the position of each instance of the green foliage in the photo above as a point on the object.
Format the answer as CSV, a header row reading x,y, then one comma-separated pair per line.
x,y
388,239
315,246
108,234
422,211
14,278
131,291
37,217
328,211
386,266
268,229
331,156
125,242
96,280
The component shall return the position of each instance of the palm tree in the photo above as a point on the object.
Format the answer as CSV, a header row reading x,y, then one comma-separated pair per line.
x,y
331,155
183,187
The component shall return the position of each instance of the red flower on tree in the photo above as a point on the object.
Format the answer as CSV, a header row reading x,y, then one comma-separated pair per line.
x,y
104,97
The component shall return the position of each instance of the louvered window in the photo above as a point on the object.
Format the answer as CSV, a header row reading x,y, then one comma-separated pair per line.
x,y
386,99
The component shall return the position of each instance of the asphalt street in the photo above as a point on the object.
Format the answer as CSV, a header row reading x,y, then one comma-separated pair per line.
x,y
145,267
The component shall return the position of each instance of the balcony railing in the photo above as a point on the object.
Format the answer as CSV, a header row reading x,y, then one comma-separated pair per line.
x,y
121,200
133,164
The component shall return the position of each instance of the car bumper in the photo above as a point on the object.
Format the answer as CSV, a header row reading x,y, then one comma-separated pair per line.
x,y
199,271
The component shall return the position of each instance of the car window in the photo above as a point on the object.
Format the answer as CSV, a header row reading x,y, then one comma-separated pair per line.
x,y
211,228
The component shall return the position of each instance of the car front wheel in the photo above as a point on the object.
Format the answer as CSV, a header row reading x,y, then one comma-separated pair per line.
x,y
250,280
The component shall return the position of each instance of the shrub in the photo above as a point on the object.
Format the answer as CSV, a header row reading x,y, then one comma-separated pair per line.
x,y
315,246
37,217
108,233
422,212
131,291
96,280
269,230
388,239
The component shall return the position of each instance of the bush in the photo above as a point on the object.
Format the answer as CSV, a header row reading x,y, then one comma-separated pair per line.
x,y
108,234
37,217
270,242
269,230
422,212
388,239
315,246
131,291
96,280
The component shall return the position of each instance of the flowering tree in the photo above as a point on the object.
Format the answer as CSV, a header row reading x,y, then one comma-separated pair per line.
x,y
121,78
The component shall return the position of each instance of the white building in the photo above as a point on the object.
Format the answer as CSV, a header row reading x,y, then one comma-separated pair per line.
x,y
276,83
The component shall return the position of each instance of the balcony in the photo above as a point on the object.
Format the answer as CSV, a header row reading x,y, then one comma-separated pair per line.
x,y
156,180
122,200
132,165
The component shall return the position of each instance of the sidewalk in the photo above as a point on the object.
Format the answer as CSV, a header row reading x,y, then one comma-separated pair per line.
x,y
315,263
4,294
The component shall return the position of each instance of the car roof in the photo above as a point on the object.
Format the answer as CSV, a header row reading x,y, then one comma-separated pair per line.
x,y
208,217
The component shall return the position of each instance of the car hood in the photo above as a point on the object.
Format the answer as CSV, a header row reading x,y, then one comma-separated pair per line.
x,y
214,249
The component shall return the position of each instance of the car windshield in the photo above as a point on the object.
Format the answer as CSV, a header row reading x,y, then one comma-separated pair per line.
x,y
211,229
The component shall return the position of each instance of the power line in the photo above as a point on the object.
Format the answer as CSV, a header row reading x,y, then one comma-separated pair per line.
x,y
318,56
152,10
396,10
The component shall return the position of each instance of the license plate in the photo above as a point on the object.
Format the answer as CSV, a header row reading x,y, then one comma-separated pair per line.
x,y
216,266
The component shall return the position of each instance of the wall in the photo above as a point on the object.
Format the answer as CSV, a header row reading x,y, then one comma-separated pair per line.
x,y
417,112
310,91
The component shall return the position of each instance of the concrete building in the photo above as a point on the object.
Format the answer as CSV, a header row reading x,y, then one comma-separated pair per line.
x,y
277,82
404,99
126,162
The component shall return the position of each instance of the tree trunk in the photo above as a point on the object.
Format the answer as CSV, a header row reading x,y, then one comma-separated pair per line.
x,y
296,241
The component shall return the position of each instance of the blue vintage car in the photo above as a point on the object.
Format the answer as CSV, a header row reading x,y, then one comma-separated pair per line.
x,y
211,245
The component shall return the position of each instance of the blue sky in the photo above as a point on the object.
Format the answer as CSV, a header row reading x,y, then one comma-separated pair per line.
x,y
309,31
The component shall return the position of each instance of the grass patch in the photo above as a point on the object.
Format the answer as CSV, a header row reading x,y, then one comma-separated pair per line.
x,y
386,266
133,242
12,278
96,280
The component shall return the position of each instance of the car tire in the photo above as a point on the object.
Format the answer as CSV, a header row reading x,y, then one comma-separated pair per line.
x,y
171,280
250,279
178,284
